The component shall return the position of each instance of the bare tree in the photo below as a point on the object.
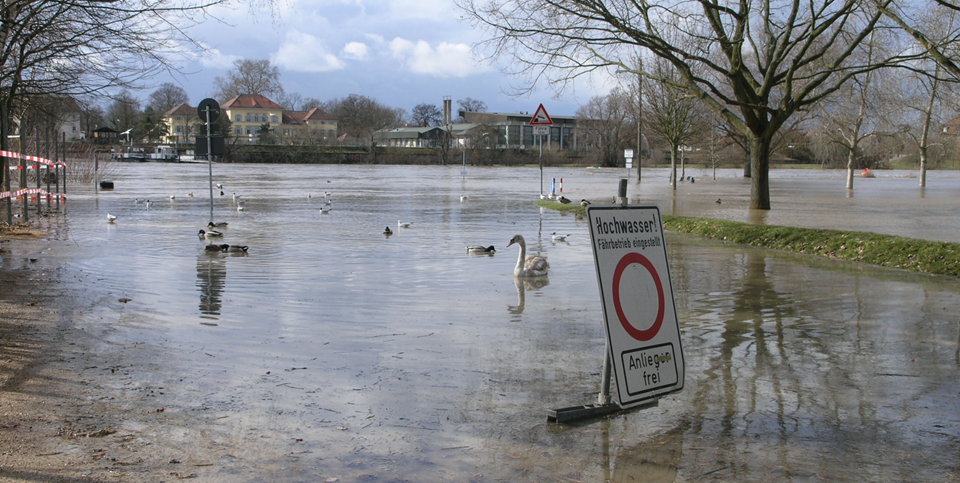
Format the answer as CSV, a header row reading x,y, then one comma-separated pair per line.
x,y
672,113
471,105
256,77
359,117
755,64
74,48
124,112
426,115
604,127
167,96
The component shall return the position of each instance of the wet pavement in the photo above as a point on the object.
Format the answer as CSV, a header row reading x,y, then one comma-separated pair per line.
x,y
330,350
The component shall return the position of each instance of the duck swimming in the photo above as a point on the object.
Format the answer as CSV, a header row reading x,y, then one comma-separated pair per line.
x,y
233,248
219,224
528,266
481,249
212,248
387,231
209,234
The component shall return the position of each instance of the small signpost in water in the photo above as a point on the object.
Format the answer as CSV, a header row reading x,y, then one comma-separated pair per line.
x,y
643,349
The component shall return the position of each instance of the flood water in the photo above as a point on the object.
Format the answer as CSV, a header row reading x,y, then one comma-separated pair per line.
x,y
330,350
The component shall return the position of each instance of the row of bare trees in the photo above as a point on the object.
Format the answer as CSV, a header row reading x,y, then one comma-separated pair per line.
x,y
757,66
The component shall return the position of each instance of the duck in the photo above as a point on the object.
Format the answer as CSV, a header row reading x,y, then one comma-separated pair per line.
x,y
481,249
209,234
584,203
219,224
173,197
111,218
234,248
190,194
221,192
718,201
387,231
563,199
212,248
528,266
404,224
558,238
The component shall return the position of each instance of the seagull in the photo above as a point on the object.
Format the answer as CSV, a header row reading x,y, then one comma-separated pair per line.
x,y
387,231
147,202
324,210
463,198
403,224
239,207
219,186
235,197
137,201
209,234
559,238
173,197
327,202
309,196
111,218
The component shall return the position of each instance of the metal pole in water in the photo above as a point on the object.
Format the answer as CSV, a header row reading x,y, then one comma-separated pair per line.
x,y
210,160
64,163
541,166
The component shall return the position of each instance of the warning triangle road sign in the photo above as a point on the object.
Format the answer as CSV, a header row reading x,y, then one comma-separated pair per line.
x,y
541,118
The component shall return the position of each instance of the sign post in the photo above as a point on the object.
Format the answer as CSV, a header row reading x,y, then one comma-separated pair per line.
x,y
541,123
209,110
643,333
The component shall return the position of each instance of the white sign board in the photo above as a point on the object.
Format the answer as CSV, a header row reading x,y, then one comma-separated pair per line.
x,y
541,130
641,318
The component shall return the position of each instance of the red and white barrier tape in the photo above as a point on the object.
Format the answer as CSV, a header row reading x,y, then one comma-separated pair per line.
x,y
30,191
34,159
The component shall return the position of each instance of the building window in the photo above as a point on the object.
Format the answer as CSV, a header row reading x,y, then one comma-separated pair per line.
x,y
239,118
321,122
238,130
248,117
273,118
179,129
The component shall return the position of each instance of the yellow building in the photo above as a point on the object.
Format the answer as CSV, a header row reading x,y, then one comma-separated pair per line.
x,y
181,124
248,113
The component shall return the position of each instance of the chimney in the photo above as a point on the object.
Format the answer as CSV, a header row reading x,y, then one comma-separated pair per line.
x,y
447,108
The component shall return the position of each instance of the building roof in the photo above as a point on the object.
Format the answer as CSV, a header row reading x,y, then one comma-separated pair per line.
x,y
181,109
250,101
952,126
315,114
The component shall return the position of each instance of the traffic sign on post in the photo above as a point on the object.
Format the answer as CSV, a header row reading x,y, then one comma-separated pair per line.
x,y
541,118
643,332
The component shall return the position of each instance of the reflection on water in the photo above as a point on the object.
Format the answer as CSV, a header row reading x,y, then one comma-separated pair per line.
x,y
211,279
524,284
391,358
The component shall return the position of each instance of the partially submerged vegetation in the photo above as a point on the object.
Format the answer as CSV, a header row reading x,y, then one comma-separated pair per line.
x,y
941,258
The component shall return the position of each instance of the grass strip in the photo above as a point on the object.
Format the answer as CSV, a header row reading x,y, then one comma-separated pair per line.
x,y
940,258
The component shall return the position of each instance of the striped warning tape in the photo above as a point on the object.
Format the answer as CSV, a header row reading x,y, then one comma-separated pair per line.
x,y
33,159
30,191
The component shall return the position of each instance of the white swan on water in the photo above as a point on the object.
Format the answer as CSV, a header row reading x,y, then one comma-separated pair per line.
x,y
528,266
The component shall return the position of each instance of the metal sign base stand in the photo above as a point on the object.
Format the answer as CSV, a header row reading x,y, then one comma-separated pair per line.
x,y
603,405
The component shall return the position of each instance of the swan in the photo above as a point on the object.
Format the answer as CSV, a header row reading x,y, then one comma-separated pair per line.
x,y
234,248
481,249
387,231
403,224
528,266
111,218
559,238
209,234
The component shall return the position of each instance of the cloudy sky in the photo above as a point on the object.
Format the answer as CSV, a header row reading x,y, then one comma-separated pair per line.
x,y
399,52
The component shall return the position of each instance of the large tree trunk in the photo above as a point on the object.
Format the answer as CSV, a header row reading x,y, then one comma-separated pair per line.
x,y
760,173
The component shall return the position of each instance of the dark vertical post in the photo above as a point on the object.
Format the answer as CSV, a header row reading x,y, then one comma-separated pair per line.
x,y
64,163
209,159
36,139
48,166
3,165
23,168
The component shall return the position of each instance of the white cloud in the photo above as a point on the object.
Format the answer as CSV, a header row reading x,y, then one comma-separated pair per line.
x,y
447,60
305,53
213,58
355,50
